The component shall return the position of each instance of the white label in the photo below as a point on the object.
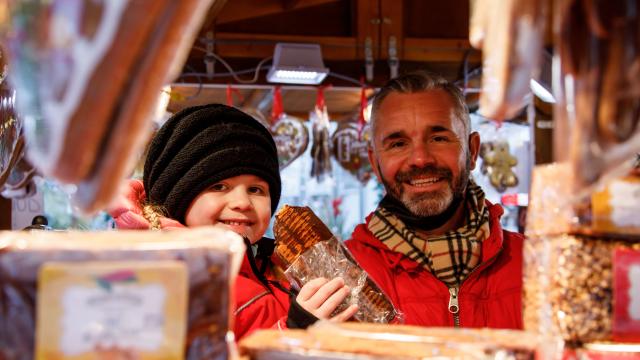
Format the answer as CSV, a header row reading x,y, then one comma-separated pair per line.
x,y
24,210
634,292
625,202
124,316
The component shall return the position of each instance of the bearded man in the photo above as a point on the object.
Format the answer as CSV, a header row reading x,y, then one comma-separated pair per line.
x,y
434,244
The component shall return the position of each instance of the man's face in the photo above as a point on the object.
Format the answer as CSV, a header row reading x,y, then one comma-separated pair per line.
x,y
420,151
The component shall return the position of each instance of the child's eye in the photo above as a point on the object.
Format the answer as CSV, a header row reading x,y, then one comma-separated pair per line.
x,y
218,187
259,190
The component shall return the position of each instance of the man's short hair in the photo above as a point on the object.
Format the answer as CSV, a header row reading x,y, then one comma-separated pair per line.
x,y
420,81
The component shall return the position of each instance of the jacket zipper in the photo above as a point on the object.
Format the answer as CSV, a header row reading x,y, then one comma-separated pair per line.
x,y
454,309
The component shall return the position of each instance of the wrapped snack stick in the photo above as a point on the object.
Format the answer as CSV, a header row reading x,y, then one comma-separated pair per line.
x,y
307,250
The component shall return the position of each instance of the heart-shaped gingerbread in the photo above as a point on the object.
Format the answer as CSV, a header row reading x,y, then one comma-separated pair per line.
x,y
350,150
291,137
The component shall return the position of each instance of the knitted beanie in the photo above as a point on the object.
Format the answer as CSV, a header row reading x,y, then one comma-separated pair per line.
x,y
202,145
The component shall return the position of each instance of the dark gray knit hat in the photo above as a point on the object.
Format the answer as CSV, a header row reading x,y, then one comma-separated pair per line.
x,y
202,145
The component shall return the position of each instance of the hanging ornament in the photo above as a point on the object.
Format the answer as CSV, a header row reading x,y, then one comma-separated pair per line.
x,y
497,164
320,150
16,173
350,142
350,150
289,133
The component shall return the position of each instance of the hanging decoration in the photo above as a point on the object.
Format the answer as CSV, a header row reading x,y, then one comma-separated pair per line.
x,y
497,164
350,150
321,148
289,133
350,142
16,173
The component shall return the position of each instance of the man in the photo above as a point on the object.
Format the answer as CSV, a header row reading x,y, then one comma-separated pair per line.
x,y
434,244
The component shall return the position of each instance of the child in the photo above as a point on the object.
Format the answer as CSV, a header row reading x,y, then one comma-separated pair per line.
x,y
215,165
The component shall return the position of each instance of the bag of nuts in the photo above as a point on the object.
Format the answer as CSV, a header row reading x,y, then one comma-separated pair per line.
x,y
568,276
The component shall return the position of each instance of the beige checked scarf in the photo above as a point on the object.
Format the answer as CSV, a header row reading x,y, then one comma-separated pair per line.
x,y
451,256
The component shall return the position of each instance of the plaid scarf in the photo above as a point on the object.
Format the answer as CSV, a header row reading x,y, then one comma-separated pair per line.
x,y
450,256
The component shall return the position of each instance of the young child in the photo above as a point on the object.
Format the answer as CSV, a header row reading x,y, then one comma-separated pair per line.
x,y
215,165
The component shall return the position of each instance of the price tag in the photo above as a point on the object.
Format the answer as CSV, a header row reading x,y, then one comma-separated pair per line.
x,y
626,295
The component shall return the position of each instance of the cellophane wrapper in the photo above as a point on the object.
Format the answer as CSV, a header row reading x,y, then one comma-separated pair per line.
x,y
595,83
326,340
568,277
510,34
212,258
330,259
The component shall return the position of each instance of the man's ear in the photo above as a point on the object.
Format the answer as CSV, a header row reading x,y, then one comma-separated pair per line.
x,y
373,162
474,148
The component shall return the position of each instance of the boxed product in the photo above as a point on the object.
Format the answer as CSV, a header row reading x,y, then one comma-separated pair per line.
x,y
118,294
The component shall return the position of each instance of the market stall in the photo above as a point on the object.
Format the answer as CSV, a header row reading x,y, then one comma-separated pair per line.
x,y
84,82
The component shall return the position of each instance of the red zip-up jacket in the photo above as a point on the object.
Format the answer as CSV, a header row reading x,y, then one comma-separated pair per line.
x,y
490,297
256,307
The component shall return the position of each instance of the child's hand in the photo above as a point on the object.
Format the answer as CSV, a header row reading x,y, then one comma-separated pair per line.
x,y
321,297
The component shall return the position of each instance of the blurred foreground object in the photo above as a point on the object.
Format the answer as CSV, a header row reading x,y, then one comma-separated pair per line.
x,y
597,47
145,294
16,173
570,286
510,34
88,75
380,341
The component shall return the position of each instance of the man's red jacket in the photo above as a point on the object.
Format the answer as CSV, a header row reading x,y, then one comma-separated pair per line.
x,y
490,297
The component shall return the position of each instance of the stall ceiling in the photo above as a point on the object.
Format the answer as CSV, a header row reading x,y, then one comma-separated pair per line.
x,y
428,34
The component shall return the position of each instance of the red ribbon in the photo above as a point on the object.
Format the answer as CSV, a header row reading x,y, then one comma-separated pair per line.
x,y
230,91
320,103
277,109
229,95
363,108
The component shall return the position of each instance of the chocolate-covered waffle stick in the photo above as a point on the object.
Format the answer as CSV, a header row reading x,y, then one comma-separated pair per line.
x,y
307,249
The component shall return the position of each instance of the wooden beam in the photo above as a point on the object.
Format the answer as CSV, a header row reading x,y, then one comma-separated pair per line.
x,y
238,10
212,15
290,4
441,50
262,45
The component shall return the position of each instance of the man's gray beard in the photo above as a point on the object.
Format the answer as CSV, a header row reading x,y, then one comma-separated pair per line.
x,y
432,203
428,204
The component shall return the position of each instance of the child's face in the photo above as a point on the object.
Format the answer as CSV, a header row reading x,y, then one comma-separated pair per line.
x,y
240,203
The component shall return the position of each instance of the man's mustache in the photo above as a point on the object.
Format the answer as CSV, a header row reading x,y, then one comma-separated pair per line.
x,y
427,171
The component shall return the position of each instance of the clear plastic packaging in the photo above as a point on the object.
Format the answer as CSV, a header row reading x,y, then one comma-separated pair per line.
x,y
568,286
307,249
330,259
212,259
105,61
596,68
568,281
510,34
382,341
